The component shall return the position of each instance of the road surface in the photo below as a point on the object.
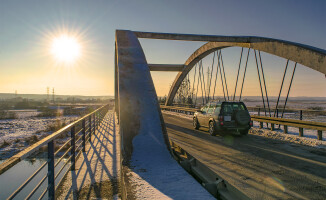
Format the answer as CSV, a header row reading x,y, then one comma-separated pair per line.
x,y
262,168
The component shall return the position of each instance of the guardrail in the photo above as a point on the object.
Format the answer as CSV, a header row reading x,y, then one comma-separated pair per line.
x,y
211,181
80,133
319,126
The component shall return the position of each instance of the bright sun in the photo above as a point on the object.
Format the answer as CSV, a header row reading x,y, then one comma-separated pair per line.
x,y
65,49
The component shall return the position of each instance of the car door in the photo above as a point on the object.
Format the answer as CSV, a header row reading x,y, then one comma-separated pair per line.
x,y
201,116
210,112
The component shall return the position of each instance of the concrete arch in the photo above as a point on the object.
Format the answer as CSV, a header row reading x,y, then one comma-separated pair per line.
x,y
311,57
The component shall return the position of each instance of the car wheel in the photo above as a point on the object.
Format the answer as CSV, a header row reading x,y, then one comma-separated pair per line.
x,y
212,130
195,123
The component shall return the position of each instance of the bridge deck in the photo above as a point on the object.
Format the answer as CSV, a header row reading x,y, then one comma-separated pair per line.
x,y
98,165
262,168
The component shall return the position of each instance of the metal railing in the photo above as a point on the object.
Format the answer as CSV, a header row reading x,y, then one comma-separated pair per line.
x,y
301,124
80,133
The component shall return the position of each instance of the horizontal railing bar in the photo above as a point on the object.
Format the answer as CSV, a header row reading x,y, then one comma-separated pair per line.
x,y
80,151
67,142
68,170
79,146
62,157
76,134
309,123
64,165
37,186
27,181
87,138
292,124
42,195
80,137
7,164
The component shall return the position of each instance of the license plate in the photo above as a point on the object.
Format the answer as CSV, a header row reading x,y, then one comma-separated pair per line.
x,y
227,118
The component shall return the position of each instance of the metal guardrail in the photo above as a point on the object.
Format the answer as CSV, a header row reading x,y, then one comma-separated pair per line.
x,y
319,126
211,181
80,133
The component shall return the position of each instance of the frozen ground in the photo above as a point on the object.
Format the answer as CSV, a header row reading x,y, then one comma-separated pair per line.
x,y
16,132
309,139
25,113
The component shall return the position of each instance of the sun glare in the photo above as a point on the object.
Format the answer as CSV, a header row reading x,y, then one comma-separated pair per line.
x,y
65,49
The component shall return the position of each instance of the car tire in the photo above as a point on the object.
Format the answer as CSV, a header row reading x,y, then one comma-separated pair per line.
x,y
212,130
195,123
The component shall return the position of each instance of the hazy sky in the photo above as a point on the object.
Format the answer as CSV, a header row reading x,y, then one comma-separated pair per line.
x,y
28,27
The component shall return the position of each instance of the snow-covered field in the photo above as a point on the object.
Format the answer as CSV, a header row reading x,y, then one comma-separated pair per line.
x,y
15,133
309,139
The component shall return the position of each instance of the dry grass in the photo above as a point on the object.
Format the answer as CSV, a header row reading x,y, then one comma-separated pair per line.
x,y
4,144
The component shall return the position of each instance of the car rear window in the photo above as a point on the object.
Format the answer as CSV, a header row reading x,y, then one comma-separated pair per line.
x,y
231,107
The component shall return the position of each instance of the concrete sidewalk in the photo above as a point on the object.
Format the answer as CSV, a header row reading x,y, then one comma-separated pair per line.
x,y
97,169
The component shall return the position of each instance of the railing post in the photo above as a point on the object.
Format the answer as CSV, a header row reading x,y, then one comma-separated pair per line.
x,y
261,124
285,129
90,127
258,111
51,175
300,132
272,127
301,129
300,114
320,135
73,150
84,135
94,121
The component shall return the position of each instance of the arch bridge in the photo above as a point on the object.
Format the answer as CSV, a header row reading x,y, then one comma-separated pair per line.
x,y
136,101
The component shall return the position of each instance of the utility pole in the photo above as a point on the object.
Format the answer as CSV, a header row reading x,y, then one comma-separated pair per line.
x,y
53,95
48,94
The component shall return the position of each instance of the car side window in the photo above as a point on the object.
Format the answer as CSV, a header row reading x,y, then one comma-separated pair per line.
x,y
218,109
211,108
204,109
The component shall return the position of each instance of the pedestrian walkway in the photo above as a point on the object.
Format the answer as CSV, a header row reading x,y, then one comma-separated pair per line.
x,y
97,167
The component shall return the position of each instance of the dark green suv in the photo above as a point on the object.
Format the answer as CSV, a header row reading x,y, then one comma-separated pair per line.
x,y
223,117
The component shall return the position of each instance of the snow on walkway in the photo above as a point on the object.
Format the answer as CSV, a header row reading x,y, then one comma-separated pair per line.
x,y
97,170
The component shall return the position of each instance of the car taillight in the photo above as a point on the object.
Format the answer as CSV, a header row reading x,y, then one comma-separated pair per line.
x,y
221,123
250,123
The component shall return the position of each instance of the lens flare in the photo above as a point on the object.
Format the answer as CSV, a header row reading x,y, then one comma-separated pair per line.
x,y
65,49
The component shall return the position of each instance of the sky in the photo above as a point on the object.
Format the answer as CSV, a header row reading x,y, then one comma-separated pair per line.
x,y
28,29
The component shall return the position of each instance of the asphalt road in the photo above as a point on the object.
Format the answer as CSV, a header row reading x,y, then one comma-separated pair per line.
x,y
262,168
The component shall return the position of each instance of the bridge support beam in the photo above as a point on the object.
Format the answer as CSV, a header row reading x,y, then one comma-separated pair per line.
x,y
166,67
